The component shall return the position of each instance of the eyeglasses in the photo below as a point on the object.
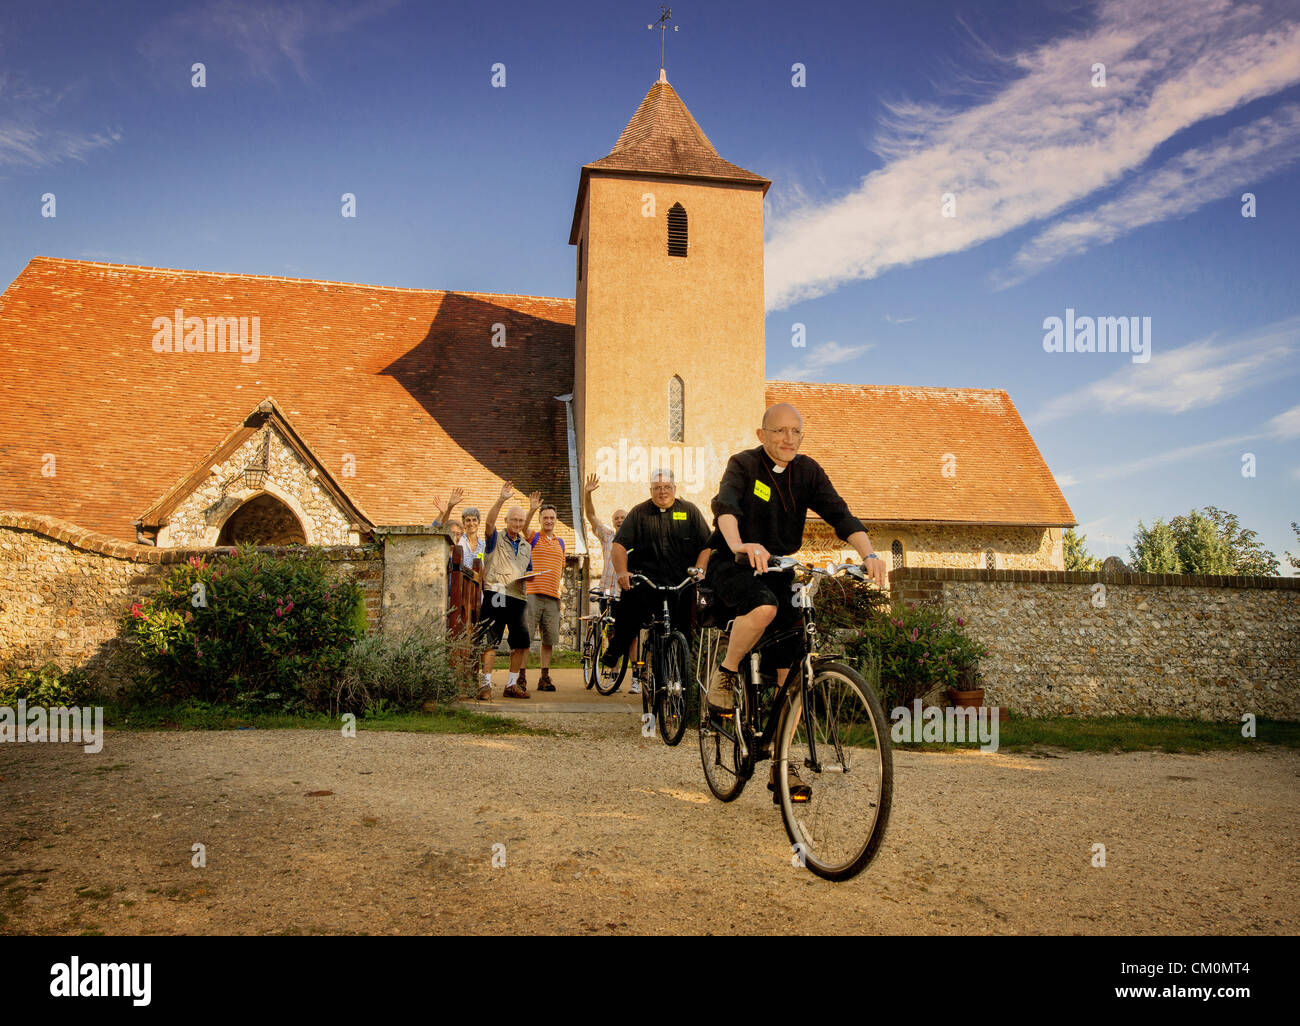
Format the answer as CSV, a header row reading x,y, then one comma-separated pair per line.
x,y
791,433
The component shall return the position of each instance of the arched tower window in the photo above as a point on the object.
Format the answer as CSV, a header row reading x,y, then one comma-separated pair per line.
x,y
896,550
676,410
990,560
677,230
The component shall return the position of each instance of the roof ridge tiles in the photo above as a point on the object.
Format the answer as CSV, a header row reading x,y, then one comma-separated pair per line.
x,y
181,271
783,383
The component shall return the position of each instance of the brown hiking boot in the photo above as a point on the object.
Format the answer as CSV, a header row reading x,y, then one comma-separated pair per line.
x,y
523,679
485,694
544,682
721,695
515,691
800,792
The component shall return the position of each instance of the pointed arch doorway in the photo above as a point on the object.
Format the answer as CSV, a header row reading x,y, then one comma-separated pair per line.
x,y
263,520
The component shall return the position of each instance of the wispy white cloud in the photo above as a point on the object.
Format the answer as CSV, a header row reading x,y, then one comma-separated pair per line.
x,y
1286,425
1245,156
32,126
265,36
828,354
899,320
1185,378
1177,455
1047,140
1066,480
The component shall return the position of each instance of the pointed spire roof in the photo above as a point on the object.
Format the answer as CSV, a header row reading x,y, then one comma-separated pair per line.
x,y
664,139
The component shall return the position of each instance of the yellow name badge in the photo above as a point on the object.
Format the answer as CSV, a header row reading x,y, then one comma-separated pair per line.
x,y
762,491
679,514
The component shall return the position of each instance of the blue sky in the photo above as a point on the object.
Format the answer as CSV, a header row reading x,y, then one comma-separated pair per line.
x,y
1114,200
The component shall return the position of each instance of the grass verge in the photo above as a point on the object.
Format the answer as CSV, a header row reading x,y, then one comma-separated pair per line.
x,y
1128,734
204,716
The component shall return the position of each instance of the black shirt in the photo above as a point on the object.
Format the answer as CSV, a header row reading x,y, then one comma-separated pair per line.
x,y
771,508
662,544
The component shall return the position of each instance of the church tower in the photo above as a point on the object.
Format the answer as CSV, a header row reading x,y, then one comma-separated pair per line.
x,y
669,308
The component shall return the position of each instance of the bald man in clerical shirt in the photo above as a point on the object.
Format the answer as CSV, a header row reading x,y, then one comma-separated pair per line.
x,y
759,512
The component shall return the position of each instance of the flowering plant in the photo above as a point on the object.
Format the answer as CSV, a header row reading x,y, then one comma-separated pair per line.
x,y
920,648
244,628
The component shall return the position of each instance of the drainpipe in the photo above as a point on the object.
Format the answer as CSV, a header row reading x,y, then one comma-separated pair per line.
x,y
575,484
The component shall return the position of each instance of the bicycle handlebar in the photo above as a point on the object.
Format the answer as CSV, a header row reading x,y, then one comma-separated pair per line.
x,y
690,578
777,563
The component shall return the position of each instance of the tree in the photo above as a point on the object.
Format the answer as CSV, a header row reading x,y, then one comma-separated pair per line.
x,y
1201,549
1077,556
1245,554
1154,549
1294,560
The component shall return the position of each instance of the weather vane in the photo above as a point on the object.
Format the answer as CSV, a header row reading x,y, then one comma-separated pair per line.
x,y
662,25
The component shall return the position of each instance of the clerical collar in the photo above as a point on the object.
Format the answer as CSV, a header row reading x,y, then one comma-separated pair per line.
x,y
771,463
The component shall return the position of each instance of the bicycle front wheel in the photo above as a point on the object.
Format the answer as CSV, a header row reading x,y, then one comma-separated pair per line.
x,y
840,828
720,756
672,686
592,647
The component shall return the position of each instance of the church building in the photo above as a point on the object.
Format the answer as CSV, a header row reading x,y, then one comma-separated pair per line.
x,y
177,407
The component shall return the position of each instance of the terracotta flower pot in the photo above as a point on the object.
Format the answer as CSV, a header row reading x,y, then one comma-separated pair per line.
x,y
966,699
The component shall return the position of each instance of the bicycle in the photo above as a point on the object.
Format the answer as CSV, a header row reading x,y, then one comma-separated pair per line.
x,y
598,633
824,718
663,667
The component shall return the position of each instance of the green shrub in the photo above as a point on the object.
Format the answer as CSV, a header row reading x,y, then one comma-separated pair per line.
x,y
390,673
919,649
246,629
48,686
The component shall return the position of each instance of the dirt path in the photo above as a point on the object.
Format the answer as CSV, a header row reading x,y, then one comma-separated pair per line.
x,y
605,831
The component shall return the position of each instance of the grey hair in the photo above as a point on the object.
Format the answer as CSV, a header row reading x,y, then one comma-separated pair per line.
x,y
471,511
663,472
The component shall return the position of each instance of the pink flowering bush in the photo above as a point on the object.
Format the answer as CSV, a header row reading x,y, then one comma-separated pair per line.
x,y
247,629
920,648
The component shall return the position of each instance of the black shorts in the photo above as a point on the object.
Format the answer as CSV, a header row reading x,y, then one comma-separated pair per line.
x,y
740,591
496,615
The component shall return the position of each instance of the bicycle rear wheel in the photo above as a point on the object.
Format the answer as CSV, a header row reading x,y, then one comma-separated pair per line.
x,y
608,680
719,752
838,831
672,686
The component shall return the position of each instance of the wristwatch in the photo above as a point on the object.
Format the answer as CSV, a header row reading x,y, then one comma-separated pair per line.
x,y
871,555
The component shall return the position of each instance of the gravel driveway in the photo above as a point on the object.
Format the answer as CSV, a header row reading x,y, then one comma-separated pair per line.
x,y
607,832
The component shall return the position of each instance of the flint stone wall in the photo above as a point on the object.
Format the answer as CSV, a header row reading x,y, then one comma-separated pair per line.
x,y
1208,647
63,590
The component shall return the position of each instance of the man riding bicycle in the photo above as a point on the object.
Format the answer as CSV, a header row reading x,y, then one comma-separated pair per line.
x,y
759,512
660,539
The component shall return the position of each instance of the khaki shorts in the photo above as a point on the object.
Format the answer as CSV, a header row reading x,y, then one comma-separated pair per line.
x,y
544,614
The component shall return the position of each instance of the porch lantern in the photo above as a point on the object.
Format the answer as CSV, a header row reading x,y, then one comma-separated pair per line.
x,y
255,473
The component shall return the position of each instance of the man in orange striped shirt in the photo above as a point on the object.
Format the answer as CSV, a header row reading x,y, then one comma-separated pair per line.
x,y
544,589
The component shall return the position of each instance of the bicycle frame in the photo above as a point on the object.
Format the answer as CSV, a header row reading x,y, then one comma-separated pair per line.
x,y
800,675
651,637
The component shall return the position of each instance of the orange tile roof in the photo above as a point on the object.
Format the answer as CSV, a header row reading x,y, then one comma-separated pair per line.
x,y
409,383
884,449
406,380
663,139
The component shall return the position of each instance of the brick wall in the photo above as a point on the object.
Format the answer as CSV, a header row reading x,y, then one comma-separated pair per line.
x,y
1106,643
63,589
